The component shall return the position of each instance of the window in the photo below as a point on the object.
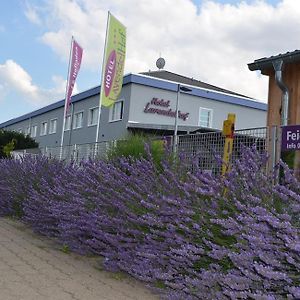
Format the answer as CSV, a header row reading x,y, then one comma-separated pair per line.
x,y
33,131
116,111
205,117
53,125
93,116
27,130
44,128
78,118
68,123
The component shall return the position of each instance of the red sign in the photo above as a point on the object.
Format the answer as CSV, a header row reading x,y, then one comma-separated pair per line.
x,y
76,57
110,72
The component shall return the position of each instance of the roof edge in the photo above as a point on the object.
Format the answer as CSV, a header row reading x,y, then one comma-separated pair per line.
x,y
142,79
267,62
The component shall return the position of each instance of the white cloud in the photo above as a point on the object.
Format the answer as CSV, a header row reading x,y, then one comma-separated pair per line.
x,y
14,78
32,14
2,93
2,28
60,86
212,42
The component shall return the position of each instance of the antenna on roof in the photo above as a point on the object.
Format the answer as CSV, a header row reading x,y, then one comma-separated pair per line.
x,y
160,63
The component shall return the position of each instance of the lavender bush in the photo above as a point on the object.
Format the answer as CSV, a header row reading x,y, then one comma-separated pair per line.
x,y
189,235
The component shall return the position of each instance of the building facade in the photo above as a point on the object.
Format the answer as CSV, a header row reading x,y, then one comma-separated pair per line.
x,y
146,103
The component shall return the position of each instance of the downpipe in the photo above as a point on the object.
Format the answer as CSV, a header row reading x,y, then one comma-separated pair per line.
x,y
278,67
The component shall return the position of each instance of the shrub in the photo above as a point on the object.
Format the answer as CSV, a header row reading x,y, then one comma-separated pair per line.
x,y
190,235
134,148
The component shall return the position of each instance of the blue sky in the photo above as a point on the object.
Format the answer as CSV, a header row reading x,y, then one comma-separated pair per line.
x,y
236,2
216,38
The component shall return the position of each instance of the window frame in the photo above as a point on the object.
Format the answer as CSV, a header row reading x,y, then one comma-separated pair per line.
x,y
74,119
32,131
89,124
28,130
69,128
41,127
210,117
51,120
111,111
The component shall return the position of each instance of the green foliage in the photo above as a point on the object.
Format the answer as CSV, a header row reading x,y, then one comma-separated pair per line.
x,y
160,284
203,263
65,249
119,276
134,147
288,157
226,264
220,238
137,209
17,207
11,140
143,228
9,147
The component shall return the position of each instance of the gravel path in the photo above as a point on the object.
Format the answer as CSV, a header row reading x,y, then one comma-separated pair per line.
x,y
33,267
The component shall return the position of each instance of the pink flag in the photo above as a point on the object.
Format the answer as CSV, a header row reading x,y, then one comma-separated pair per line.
x,y
75,62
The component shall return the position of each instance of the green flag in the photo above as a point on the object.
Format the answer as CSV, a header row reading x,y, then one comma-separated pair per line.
x,y
113,62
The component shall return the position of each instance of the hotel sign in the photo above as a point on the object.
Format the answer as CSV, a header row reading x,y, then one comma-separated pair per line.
x,y
162,107
290,139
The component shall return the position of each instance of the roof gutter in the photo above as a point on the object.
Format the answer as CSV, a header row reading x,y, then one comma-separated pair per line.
x,y
266,63
278,67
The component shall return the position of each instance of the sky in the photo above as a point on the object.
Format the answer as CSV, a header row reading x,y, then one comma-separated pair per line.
x,y
209,40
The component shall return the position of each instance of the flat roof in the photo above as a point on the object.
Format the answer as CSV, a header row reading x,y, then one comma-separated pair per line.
x,y
150,82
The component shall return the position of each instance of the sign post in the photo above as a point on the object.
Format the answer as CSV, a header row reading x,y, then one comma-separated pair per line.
x,y
228,132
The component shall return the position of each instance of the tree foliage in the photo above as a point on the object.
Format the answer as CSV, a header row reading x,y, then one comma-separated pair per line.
x,y
11,140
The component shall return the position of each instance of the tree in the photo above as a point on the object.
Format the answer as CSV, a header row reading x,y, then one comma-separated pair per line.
x,y
11,140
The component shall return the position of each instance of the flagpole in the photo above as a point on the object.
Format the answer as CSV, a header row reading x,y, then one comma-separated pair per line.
x,y
71,122
70,133
101,88
67,85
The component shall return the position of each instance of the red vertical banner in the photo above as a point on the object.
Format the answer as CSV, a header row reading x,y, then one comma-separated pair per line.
x,y
74,66
75,62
